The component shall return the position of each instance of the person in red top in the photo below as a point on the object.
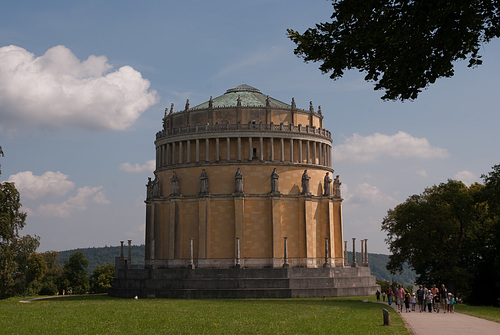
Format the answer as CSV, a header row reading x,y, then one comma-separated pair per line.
x,y
400,296
389,296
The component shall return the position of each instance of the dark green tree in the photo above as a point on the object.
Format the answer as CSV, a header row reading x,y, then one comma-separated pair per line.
x,y
101,278
447,235
74,276
14,249
402,46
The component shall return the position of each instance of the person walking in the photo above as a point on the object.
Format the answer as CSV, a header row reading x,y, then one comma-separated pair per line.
x,y
389,296
428,299
420,298
443,296
426,291
378,295
400,296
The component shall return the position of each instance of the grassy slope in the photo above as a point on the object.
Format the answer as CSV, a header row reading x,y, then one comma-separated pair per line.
x,y
100,314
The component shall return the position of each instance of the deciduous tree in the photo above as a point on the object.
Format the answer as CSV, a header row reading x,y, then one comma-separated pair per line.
x,y
403,45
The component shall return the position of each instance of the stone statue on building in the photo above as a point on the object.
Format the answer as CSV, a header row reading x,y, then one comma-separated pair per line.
x,y
327,185
149,189
175,184
238,182
274,182
156,187
336,186
203,182
305,183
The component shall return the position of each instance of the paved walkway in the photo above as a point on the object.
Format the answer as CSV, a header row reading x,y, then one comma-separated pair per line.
x,y
448,323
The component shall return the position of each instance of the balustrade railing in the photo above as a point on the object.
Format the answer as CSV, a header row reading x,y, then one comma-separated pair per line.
x,y
244,127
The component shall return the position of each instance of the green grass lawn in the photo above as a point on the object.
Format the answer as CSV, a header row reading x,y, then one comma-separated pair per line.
x,y
484,312
100,314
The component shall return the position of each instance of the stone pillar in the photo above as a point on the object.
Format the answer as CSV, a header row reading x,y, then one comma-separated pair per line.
x,y
366,251
173,152
217,149
180,152
121,249
239,149
282,152
261,153
197,151
250,149
285,253
314,152
300,151
320,149
345,254
207,150
237,261
327,262
354,252
307,152
291,150
129,263
228,149
188,151
362,253
167,155
271,143
191,256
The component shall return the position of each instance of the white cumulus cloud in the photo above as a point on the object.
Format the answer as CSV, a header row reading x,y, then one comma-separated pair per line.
x,y
149,166
57,90
84,196
365,193
35,187
466,177
368,148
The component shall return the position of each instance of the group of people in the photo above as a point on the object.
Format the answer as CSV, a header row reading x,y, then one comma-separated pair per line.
x,y
433,299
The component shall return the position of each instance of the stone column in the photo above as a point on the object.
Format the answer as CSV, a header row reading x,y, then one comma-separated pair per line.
x,y
239,149
197,151
191,256
354,252
285,253
271,143
207,150
173,153
327,262
167,155
180,152
129,263
320,149
300,151
261,153
345,253
307,152
250,149
188,151
366,251
314,152
282,152
228,149
121,250
291,150
362,252
217,149
238,265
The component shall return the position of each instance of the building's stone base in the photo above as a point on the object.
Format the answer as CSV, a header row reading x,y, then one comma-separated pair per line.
x,y
243,283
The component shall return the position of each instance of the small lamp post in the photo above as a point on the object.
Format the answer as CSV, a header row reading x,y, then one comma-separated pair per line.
x,y
25,275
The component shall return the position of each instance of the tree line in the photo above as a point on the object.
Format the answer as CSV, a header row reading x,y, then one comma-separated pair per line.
x,y
450,234
25,271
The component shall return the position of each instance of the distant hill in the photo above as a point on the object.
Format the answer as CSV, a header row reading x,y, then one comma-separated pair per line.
x,y
103,255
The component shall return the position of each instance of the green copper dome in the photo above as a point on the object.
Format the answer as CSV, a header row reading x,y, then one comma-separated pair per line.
x,y
245,96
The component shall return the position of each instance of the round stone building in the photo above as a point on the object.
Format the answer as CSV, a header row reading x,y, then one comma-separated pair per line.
x,y
243,190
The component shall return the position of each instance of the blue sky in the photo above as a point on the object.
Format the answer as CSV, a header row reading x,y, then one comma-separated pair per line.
x,y
84,84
